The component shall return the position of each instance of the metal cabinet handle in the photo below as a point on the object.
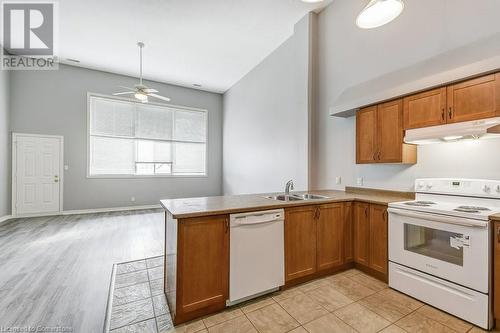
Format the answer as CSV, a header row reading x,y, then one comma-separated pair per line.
x,y
227,225
498,234
450,113
366,211
443,113
378,155
319,212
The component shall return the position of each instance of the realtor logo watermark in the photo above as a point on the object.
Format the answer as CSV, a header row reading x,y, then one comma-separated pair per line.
x,y
29,37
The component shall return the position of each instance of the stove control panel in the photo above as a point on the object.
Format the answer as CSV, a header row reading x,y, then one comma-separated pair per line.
x,y
456,186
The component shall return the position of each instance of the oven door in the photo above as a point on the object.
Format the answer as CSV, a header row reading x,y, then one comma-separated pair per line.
x,y
452,248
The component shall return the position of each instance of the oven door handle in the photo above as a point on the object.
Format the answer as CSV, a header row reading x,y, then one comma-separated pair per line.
x,y
443,219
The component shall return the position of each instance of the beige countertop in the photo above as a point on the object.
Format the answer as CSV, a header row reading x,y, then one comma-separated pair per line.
x,y
204,206
495,217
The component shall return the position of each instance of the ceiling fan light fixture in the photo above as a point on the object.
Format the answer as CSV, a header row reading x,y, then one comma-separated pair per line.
x,y
140,96
378,13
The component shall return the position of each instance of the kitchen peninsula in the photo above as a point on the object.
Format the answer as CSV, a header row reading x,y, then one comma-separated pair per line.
x,y
322,236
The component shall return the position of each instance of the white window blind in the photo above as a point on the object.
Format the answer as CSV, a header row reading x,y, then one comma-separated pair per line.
x,y
133,139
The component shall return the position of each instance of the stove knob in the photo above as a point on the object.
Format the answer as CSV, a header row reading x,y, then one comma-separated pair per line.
x,y
498,188
421,185
429,186
486,188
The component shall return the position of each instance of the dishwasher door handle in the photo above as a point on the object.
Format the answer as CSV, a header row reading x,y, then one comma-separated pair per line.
x,y
249,220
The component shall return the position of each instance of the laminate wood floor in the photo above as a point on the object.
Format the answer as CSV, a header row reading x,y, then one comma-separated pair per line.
x,y
55,271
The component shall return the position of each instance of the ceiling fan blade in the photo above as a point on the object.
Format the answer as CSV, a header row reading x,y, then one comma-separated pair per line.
x,y
124,93
128,88
149,90
160,97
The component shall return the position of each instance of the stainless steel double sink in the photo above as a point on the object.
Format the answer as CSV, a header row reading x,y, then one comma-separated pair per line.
x,y
296,197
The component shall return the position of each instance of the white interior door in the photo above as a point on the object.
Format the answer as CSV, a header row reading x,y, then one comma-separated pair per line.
x,y
37,174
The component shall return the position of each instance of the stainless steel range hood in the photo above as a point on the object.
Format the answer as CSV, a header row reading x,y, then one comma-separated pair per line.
x,y
469,130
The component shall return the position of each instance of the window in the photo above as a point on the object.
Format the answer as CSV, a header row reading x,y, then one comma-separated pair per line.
x,y
134,139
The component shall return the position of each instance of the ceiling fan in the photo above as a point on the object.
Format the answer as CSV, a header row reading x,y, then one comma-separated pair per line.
x,y
140,91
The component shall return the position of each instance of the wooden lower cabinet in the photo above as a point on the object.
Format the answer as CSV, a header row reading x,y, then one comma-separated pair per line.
x,y
378,238
300,242
371,238
315,240
202,266
496,273
362,233
330,234
348,232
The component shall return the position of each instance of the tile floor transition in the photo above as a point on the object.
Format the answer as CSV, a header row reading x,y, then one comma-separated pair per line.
x,y
350,301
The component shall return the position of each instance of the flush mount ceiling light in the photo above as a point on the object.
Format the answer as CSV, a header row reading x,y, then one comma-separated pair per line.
x,y
379,12
312,1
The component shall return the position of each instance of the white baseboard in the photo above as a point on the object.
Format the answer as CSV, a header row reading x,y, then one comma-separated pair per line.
x,y
88,211
5,218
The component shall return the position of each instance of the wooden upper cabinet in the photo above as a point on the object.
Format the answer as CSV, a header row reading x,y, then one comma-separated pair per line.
x,y
362,233
425,109
474,99
378,238
348,232
379,135
366,135
202,264
300,242
330,233
390,132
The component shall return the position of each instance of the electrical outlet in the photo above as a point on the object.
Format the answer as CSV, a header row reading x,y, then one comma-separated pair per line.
x,y
66,167
338,180
132,199
360,181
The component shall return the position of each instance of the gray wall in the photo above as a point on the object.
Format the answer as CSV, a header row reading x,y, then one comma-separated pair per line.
x,y
266,120
5,206
55,102
349,56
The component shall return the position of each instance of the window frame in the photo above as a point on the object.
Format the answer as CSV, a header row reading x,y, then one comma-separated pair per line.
x,y
112,176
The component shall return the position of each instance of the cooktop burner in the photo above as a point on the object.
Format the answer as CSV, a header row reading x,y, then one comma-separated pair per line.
x,y
466,210
473,208
420,203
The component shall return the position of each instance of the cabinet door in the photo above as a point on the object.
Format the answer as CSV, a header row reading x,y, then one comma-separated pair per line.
x,y
348,232
366,135
202,263
474,99
425,109
390,132
361,233
378,238
496,273
329,236
300,242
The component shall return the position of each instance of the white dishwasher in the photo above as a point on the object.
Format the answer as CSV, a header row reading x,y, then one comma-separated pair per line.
x,y
257,254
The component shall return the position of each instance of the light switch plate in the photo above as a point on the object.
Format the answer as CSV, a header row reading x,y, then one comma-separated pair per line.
x,y
360,181
338,180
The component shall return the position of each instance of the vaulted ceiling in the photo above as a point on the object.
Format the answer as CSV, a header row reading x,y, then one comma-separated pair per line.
x,y
213,43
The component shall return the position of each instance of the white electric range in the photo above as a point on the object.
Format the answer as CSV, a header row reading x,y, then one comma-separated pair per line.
x,y
440,246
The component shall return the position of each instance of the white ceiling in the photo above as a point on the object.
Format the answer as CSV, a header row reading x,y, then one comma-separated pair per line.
x,y
209,42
